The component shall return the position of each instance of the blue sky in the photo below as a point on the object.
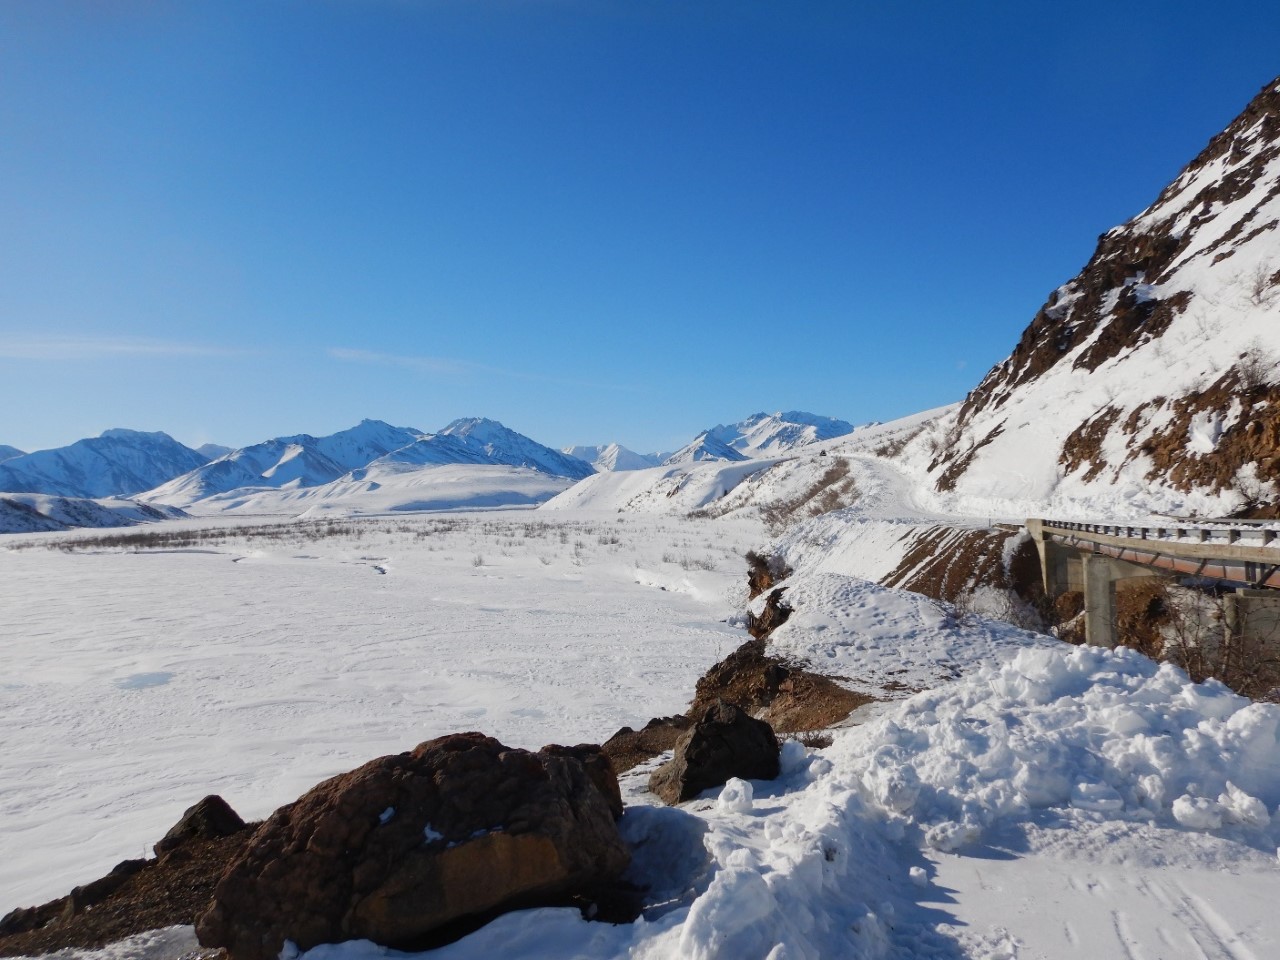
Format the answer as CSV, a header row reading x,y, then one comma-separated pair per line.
x,y
593,220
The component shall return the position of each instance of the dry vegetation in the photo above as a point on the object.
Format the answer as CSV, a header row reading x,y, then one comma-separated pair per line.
x,y
834,490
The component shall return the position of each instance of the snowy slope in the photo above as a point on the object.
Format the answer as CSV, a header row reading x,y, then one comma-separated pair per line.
x,y
389,486
8,453
1149,382
117,463
666,489
503,445
771,434
42,513
613,456
296,461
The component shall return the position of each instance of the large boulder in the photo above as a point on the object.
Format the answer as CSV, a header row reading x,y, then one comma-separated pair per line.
x,y
724,742
209,819
461,827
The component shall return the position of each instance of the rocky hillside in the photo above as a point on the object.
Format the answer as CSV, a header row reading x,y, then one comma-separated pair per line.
x,y
1150,379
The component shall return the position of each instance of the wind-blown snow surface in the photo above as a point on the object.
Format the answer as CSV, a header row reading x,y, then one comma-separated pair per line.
x,y
1041,801
136,683
666,489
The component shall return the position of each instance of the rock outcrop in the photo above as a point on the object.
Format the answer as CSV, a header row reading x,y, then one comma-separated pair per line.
x,y
137,895
1156,365
209,819
725,742
460,828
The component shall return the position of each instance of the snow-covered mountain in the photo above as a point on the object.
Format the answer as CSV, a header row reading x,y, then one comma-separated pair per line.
x,y
213,450
119,463
1150,380
704,446
8,453
353,463
505,446
296,461
769,434
613,456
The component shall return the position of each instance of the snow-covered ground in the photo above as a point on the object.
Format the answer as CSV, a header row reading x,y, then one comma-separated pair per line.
x,y
1034,801
136,683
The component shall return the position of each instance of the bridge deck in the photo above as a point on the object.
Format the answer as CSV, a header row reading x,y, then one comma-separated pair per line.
x,y
1240,553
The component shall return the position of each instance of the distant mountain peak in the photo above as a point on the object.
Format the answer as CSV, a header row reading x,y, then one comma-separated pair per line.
x,y
611,457
772,434
705,446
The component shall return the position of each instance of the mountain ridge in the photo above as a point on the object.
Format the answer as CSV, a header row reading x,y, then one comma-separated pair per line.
x,y
117,463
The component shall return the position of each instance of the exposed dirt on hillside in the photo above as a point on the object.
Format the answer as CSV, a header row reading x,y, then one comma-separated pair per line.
x,y
946,563
1250,442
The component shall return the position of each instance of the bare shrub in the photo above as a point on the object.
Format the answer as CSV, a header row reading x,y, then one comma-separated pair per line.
x,y
1262,284
894,446
1256,367
1207,638
834,490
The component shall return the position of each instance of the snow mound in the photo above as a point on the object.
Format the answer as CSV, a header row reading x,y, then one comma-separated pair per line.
x,y
875,639
1109,732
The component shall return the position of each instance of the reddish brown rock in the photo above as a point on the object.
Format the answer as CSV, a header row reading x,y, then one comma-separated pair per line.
x,y
461,827
724,743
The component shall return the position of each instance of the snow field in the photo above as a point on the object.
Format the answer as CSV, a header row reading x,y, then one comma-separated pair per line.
x,y
137,683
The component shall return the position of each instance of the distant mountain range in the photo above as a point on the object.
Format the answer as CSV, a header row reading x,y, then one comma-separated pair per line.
x,y
345,469
8,453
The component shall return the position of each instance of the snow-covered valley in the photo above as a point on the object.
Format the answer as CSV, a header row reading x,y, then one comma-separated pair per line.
x,y
1035,801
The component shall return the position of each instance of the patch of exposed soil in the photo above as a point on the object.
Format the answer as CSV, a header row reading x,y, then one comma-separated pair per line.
x,y
773,615
169,891
1253,438
789,697
946,563
1083,447
764,573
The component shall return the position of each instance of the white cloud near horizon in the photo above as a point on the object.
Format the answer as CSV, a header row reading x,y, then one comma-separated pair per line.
x,y
92,348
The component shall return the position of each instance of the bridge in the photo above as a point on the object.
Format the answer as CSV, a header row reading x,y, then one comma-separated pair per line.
x,y
1093,557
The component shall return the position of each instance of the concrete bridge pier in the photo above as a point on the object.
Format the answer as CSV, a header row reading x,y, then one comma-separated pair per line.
x,y
1254,617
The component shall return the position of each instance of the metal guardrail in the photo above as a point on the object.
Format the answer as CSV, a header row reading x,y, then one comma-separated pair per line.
x,y
1246,554
1243,535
